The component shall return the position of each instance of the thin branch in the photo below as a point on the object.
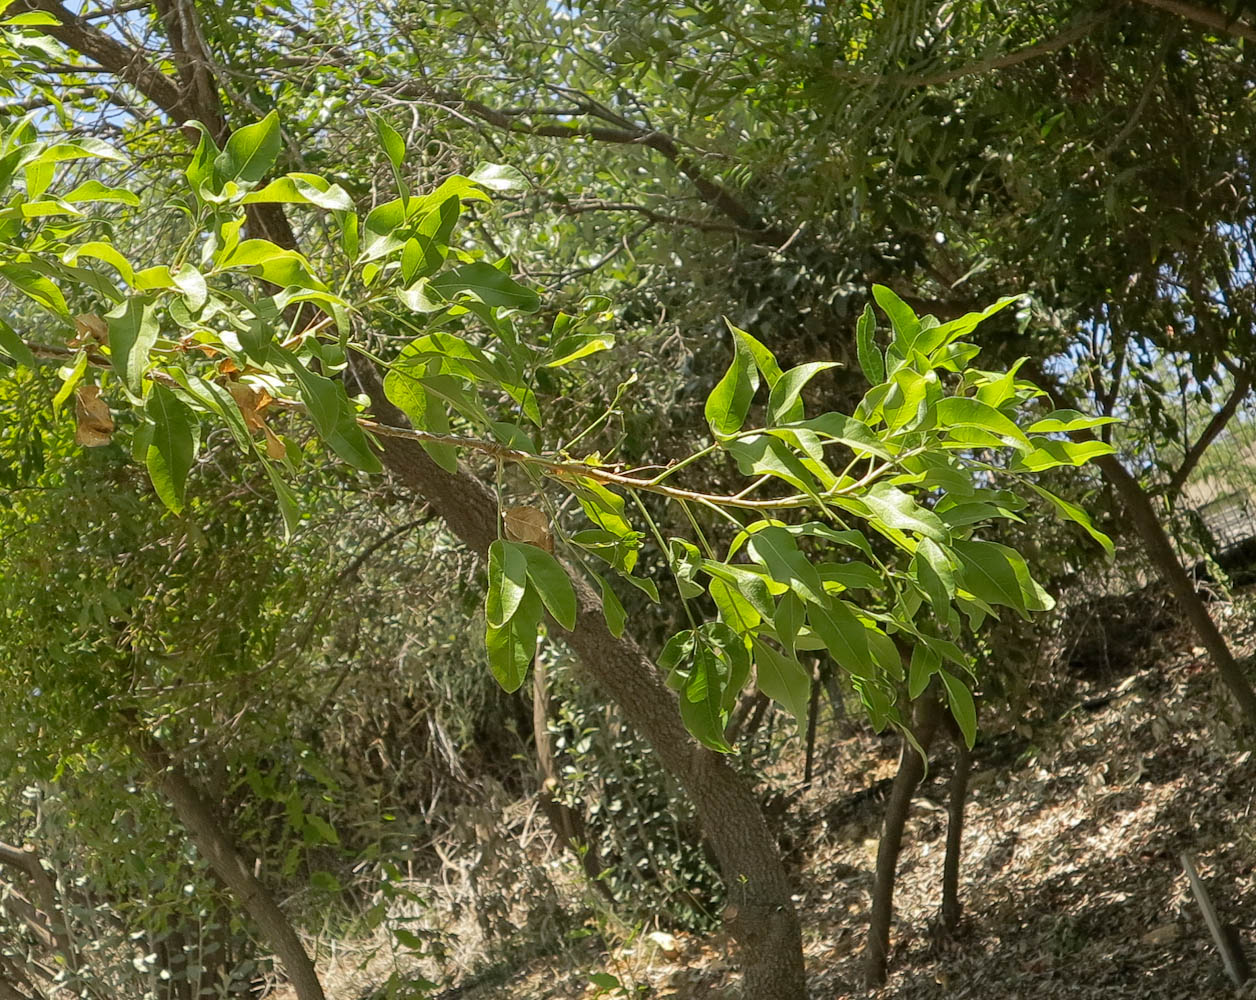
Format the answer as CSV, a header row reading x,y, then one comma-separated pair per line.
x,y
1035,51
1208,18
707,225
1242,386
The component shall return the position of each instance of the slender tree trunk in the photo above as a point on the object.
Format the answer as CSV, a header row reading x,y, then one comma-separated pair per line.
x,y
567,823
210,836
1170,567
813,714
956,797
1160,550
759,913
911,769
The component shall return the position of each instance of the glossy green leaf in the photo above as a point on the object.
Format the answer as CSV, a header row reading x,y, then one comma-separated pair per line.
x,y
511,648
133,330
34,285
844,635
301,189
963,708
933,570
507,582
783,679
1067,420
13,345
898,510
925,662
871,360
613,610
172,450
966,411
486,284
333,418
906,324
776,551
1075,514
1051,454
997,574
729,402
552,584
785,402
251,151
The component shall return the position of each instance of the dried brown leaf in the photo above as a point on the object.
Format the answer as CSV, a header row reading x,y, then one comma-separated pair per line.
x,y
93,421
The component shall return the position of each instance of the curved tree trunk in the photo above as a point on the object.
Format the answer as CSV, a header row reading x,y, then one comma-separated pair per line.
x,y
215,845
911,769
1171,570
759,914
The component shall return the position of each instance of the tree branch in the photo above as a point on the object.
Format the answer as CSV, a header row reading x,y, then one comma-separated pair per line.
x,y
1242,386
1201,15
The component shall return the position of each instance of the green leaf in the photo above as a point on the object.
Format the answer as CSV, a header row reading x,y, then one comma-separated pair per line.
x,y
251,151
844,635
485,283
906,324
411,395
107,252
75,375
172,451
512,647
962,705
925,662
775,550
871,360
389,138
34,285
997,574
729,402
507,582
288,505
499,177
616,616
201,173
94,191
702,698
855,434
967,411
783,679
1067,420
898,510
1050,454
333,417
132,332
301,189
933,569
1075,514
784,402
552,584
14,347
735,611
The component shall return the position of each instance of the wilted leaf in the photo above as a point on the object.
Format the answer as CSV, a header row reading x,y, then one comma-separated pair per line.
x,y
94,422
530,525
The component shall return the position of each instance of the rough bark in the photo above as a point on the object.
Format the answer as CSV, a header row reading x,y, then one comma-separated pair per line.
x,y
957,795
213,841
759,913
911,769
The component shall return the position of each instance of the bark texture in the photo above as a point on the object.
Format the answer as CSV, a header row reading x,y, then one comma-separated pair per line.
x,y
211,838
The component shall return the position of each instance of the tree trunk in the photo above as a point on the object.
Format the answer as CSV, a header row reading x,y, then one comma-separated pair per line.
x,y
759,913
566,822
1170,567
911,769
1138,506
813,714
53,920
214,843
956,796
